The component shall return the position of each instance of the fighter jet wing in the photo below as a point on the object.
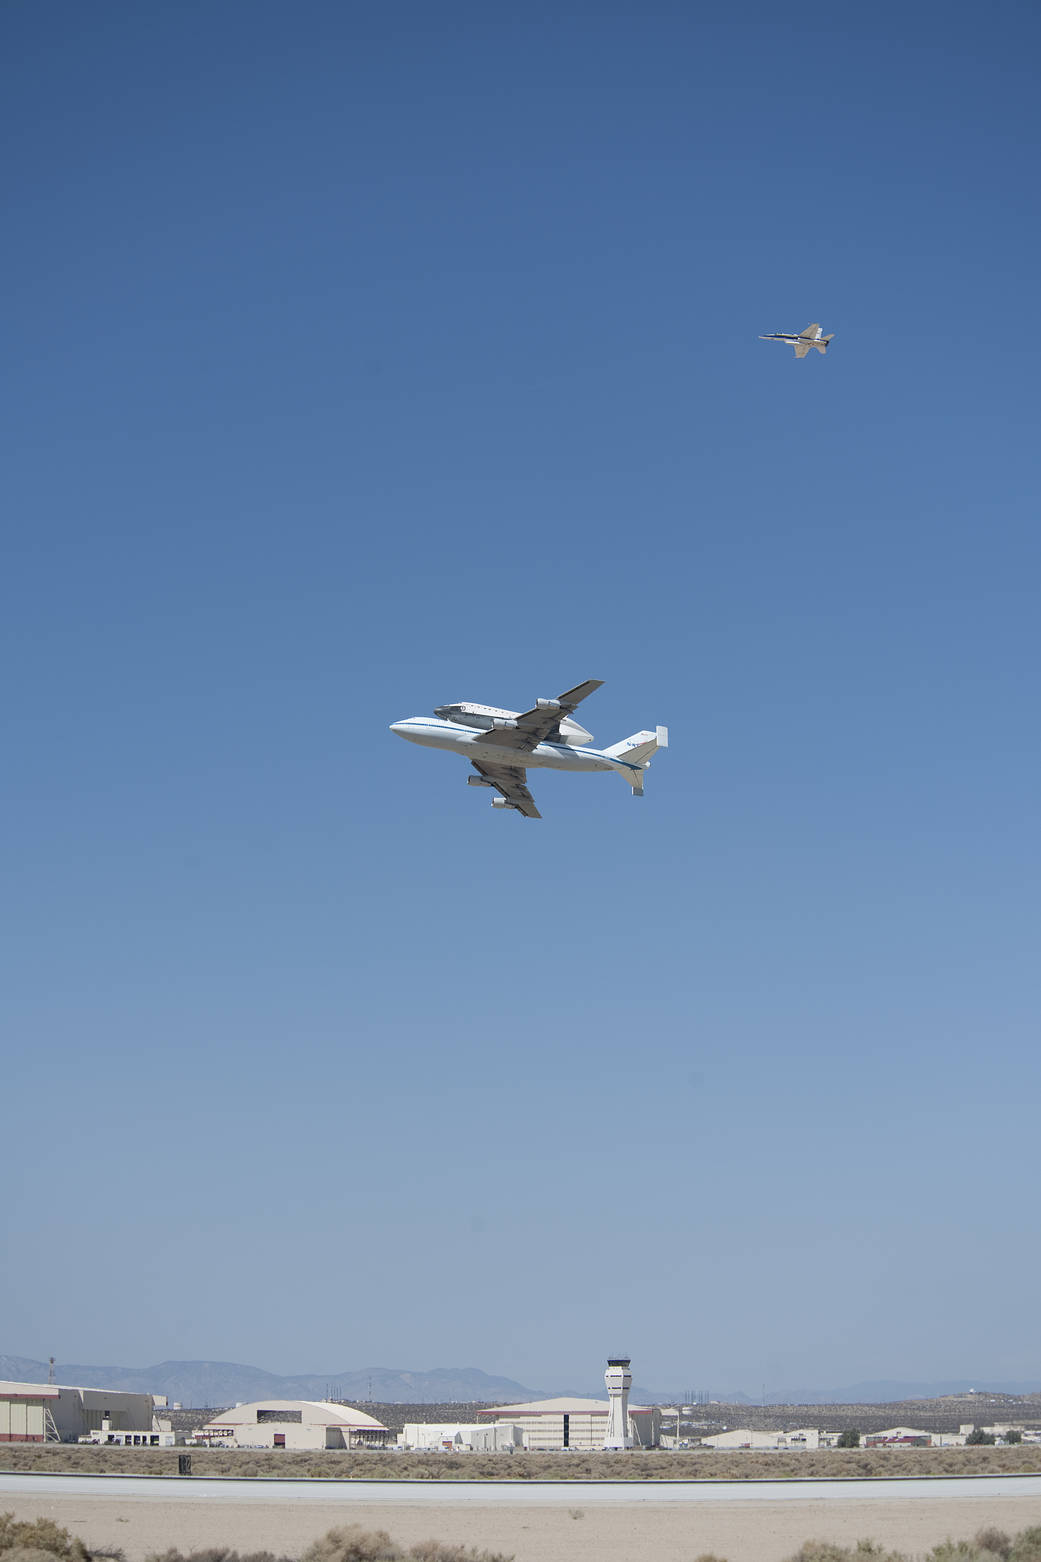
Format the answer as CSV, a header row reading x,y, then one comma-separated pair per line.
x,y
811,333
801,349
510,782
534,726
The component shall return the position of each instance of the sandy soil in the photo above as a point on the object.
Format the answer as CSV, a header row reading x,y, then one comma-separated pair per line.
x,y
668,1532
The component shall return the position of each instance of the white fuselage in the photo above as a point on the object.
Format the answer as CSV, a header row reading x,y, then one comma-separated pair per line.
x,y
820,342
472,743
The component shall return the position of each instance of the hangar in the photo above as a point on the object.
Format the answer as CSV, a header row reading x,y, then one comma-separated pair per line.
x,y
454,1436
56,1413
575,1423
293,1423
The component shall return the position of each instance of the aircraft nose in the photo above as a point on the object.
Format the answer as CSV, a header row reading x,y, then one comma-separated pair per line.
x,y
398,728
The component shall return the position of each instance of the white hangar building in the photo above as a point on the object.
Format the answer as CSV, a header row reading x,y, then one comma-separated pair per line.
x,y
576,1423
56,1413
455,1437
293,1423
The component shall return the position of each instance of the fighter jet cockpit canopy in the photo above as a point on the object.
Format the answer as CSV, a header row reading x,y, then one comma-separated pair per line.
x,y
485,717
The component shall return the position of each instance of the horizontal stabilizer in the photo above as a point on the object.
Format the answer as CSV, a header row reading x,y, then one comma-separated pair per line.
x,y
634,755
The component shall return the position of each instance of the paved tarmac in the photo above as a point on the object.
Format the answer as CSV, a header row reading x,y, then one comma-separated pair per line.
x,y
197,1489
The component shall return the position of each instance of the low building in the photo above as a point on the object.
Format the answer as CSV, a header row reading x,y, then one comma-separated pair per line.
x,y
293,1423
163,1436
899,1437
553,1424
802,1438
455,1437
60,1413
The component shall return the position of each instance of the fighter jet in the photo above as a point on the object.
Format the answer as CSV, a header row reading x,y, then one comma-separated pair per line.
x,y
503,744
802,343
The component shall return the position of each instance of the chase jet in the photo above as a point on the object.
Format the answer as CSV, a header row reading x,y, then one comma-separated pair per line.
x,y
802,343
502,745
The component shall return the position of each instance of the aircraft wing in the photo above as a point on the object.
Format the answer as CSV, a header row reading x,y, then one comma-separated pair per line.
x,y
801,349
534,726
510,781
811,333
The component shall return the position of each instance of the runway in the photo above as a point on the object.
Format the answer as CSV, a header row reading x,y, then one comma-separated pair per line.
x,y
546,1521
206,1489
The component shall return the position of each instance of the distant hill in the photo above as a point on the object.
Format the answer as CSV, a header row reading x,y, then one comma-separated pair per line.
x,y
226,1382
885,1391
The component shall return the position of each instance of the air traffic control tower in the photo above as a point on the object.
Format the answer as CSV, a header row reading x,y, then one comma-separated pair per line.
x,y
619,1381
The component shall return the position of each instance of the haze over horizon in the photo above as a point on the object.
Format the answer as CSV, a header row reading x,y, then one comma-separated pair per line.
x,y
212,1383
361,361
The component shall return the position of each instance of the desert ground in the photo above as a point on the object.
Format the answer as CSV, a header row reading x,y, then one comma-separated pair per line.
x,y
765,1531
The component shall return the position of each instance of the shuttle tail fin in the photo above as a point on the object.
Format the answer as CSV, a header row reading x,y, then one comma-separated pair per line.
x,y
633,755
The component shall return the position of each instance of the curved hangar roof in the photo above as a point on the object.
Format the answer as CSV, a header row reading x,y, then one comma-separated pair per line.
x,y
558,1407
311,1412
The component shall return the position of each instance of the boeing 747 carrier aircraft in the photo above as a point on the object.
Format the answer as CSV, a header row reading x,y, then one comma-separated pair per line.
x,y
802,343
502,744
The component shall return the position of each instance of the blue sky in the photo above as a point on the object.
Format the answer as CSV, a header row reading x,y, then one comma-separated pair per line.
x,y
361,359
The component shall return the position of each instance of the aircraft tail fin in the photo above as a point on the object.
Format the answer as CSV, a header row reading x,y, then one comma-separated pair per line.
x,y
634,755
822,344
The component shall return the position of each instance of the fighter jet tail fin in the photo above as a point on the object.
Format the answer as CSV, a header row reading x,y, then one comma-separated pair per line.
x,y
634,755
822,345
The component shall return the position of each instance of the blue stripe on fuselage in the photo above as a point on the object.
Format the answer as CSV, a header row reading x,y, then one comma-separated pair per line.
x,y
455,729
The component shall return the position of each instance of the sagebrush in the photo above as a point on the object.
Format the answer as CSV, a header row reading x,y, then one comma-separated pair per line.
x,y
41,1538
348,1543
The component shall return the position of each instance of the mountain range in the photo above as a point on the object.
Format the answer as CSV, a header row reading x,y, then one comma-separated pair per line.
x,y
888,1392
220,1383
228,1383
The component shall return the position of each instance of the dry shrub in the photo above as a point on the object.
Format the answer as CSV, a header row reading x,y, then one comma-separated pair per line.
x,y
351,1543
434,1551
995,1540
28,1554
39,1535
214,1554
826,1551
1026,1547
962,1551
